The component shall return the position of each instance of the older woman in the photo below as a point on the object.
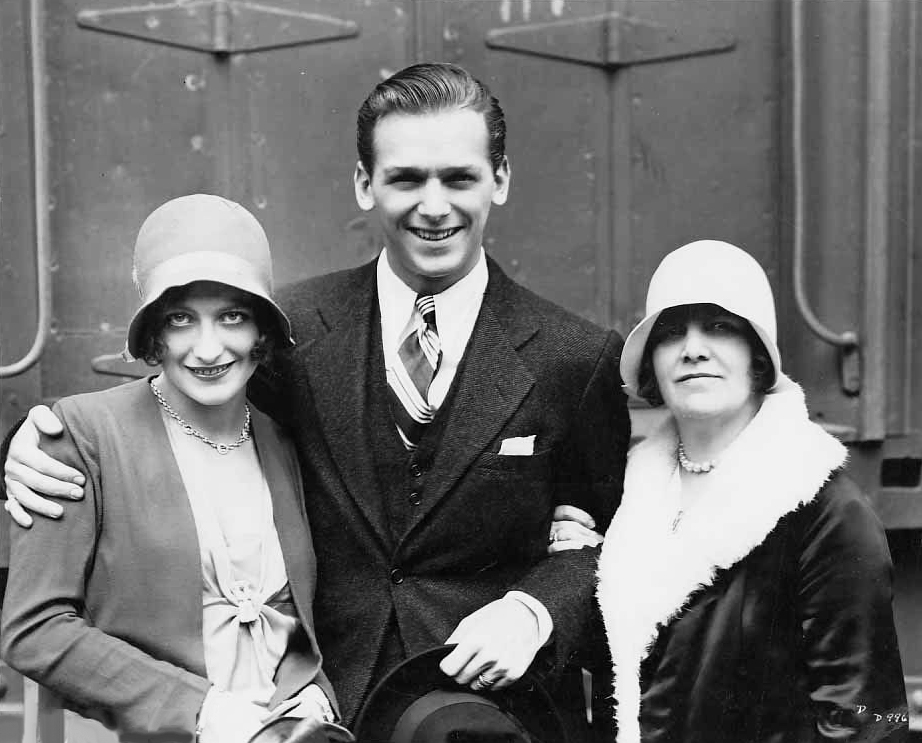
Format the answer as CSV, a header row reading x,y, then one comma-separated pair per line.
x,y
175,599
745,581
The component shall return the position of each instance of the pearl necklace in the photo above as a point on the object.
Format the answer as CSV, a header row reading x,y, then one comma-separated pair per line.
x,y
696,468
191,431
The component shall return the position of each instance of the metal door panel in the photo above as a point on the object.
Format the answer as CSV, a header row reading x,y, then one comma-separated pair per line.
x,y
300,138
614,165
705,144
548,234
134,122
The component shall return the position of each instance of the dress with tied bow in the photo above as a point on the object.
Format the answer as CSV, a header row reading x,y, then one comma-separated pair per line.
x,y
146,604
247,612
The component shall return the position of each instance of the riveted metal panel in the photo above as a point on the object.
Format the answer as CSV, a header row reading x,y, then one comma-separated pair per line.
x,y
619,153
614,164
704,141
547,234
134,122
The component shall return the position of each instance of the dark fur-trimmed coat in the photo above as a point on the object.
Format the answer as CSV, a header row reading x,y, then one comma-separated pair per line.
x,y
766,615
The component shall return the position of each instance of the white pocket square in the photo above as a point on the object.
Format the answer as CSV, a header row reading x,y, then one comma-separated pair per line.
x,y
518,446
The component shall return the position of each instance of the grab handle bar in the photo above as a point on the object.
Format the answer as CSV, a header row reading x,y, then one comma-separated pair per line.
x,y
39,146
849,338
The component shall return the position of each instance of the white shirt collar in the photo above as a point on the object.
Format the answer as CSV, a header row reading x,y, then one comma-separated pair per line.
x,y
456,308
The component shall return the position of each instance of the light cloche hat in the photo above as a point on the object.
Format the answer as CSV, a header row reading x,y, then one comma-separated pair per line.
x,y
201,237
705,272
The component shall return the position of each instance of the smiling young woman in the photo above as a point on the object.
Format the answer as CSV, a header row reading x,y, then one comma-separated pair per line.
x,y
175,599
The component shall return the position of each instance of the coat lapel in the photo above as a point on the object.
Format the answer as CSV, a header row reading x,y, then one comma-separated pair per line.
x,y
169,496
337,369
288,513
296,669
494,381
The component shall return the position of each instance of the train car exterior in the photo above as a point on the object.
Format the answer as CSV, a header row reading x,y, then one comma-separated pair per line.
x,y
788,127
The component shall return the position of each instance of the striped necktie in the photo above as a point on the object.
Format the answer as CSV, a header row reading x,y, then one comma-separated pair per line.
x,y
409,379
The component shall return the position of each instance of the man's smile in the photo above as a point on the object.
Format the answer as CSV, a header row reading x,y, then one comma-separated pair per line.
x,y
434,235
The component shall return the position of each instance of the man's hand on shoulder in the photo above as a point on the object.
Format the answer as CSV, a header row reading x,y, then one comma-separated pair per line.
x,y
28,471
495,645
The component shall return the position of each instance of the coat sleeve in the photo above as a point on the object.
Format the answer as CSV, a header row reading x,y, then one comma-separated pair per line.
x,y
589,473
47,636
850,652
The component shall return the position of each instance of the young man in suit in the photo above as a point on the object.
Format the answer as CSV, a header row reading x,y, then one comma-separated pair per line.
x,y
441,412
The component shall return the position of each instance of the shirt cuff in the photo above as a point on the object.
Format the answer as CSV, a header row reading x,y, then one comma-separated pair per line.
x,y
542,615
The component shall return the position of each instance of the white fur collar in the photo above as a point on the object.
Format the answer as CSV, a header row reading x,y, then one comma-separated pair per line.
x,y
647,573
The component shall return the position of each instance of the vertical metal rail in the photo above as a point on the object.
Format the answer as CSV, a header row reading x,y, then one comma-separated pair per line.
x,y
876,221
625,292
909,330
40,194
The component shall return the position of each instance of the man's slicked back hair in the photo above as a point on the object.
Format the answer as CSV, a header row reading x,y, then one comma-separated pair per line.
x,y
427,88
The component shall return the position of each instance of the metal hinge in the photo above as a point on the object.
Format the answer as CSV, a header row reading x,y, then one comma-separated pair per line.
x,y
609,40
217,26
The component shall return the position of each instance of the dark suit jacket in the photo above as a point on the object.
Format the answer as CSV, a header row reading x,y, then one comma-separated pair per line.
x,y
115,625
481,525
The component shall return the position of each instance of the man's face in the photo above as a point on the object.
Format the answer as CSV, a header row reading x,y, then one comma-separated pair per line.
x,y
433,185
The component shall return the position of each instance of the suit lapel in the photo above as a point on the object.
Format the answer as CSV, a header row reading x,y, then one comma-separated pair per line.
x,y
337,369
493,383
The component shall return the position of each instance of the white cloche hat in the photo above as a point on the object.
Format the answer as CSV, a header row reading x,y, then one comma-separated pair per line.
x,y
706,272
201,237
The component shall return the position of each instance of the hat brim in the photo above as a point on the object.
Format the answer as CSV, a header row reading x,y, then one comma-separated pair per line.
x,y
636,342
201,266
288,729
526,701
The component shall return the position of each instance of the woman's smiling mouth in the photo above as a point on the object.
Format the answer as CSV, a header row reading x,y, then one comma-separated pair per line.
x,y
209,372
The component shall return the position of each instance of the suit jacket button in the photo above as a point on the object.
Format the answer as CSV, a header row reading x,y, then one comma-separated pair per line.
x,y
415,498
396,576
415,470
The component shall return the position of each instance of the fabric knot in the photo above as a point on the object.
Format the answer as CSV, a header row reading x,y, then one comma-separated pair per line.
x,y
247,609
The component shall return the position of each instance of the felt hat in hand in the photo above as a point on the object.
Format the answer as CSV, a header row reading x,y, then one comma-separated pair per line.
x,y
417,703
286,729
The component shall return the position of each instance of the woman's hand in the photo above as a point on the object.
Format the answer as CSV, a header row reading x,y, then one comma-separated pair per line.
x,y
312,704
572,529
228,718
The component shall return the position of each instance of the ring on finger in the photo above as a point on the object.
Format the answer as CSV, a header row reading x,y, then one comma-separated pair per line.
x,y
553,538
483,682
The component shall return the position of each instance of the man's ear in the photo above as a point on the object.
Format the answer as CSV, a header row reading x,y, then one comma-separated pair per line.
x,y
501,178
362,182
